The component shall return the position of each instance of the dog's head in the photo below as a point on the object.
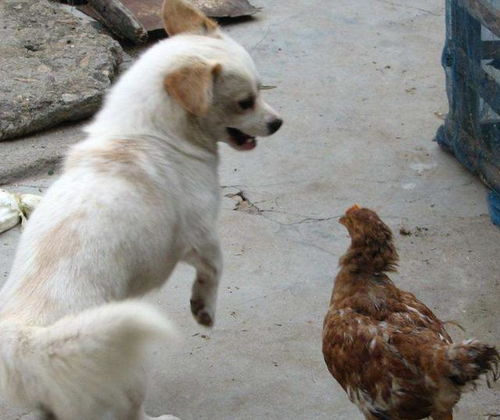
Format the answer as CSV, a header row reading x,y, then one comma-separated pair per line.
x,y
215,81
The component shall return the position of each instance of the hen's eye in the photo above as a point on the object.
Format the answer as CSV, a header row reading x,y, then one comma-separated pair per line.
x,y
247,103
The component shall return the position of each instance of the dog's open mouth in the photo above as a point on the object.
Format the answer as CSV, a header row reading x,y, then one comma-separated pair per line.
x,y
240,140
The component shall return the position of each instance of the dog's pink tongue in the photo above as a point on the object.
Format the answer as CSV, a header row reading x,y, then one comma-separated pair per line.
x,y
249,145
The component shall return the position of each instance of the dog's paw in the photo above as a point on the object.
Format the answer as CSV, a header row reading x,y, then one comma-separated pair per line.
x,y
203,314
144,416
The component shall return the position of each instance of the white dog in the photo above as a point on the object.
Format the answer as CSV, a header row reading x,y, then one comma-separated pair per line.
x,y
138,195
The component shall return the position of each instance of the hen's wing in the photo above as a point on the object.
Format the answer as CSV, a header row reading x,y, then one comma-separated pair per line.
x,y
422,316
378,363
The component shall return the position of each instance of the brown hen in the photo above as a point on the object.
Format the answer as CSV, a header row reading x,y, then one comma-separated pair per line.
x,y
390,353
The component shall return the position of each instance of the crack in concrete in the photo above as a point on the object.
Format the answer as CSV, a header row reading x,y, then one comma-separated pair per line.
x,y
306,219
244,204
266,33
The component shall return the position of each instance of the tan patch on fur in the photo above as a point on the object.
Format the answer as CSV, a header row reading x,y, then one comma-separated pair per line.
x,y
192,85
118,151
120,158
179,16
58,243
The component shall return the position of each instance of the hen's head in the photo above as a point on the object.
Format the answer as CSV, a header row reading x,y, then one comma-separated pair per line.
x,y
371,237
363,223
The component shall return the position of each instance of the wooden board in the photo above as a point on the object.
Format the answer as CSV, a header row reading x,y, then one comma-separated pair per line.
x,y
486,11
133,19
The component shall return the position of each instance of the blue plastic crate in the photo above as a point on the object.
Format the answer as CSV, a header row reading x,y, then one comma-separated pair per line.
x,y
471,60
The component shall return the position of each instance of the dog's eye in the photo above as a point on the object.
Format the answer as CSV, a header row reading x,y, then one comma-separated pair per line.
x,y
247,103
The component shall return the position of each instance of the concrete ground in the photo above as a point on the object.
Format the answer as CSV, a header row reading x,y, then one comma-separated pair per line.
x,y
362,92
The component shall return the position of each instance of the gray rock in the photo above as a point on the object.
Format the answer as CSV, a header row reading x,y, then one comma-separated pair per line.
x,y
54,66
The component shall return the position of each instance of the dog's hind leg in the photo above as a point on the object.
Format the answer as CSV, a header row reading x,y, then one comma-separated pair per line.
x,y
207,259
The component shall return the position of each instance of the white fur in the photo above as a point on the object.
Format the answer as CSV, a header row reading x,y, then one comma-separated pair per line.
x,y
41,363
136,197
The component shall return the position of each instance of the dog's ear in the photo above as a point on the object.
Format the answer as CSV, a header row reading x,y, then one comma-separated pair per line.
x,y
192,85
180,16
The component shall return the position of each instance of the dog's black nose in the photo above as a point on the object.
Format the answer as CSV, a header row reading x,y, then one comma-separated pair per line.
x,y
274,125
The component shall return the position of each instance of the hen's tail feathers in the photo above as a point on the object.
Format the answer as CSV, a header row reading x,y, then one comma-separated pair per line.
x,y
470,359
80,362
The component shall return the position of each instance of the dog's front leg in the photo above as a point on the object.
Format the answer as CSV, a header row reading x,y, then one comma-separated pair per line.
x,y
207,259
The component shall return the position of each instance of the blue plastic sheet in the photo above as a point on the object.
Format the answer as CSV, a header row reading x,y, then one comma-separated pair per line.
x,y
471,60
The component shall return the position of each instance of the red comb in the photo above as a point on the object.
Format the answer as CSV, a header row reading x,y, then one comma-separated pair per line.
x,y
352,209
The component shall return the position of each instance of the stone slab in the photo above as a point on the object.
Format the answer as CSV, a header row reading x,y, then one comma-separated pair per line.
x,y
54,66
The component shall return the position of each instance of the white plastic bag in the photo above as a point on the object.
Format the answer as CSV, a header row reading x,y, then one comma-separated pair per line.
x,y
28,204
15,208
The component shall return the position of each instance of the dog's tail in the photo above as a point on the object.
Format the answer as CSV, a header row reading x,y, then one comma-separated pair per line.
x,y
82,363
